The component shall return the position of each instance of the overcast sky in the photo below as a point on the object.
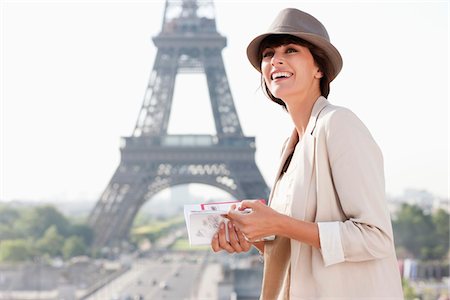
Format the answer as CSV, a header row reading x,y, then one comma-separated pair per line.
x,y
74,73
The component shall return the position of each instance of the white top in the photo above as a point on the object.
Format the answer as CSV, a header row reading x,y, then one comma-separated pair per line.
x,y
329,232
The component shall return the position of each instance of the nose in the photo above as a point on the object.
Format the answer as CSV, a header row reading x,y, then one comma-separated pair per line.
x,y
277,59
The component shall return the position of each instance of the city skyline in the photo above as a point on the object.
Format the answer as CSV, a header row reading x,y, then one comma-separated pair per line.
x,y
74,76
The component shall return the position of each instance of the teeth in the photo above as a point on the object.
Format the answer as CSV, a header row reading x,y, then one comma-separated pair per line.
x,y
281,75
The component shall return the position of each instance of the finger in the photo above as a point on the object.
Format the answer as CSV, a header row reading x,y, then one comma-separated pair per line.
x,y
247,239
226,216
223,243
215,243
245,245
232,208
234,240
234,215
253,204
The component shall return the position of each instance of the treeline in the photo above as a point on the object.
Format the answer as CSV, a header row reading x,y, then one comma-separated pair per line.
x,y
420,235
40,232
153,230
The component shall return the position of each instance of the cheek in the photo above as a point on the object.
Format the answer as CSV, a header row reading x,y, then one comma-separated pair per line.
x,y
265,70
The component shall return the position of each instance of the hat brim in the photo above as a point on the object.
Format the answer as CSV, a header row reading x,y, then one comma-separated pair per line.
x,y
332,53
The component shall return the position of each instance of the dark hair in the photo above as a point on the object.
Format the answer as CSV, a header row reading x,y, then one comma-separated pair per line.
x,y
319,56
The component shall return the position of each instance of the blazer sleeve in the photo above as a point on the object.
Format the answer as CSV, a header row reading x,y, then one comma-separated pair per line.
x,y
357,170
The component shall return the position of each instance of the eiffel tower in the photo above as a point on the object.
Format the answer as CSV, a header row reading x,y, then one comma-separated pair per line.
x,y
152,159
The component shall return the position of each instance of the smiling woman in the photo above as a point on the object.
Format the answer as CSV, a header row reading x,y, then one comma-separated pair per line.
x,y
294,47
327,209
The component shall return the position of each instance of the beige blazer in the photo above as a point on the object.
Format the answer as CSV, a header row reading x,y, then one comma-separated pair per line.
x,y
338,177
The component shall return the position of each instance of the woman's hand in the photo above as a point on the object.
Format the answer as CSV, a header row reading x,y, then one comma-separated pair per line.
x,y
260,222
237,243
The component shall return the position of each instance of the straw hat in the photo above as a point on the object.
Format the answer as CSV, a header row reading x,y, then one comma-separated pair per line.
x,y
300,24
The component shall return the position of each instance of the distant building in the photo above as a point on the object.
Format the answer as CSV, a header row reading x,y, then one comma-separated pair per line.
x,y
428,202
42,280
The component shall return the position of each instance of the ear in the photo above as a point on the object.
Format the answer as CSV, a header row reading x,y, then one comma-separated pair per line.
x,y
319,74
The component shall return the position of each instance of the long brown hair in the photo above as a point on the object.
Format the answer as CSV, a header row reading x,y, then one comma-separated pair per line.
x,y
319,56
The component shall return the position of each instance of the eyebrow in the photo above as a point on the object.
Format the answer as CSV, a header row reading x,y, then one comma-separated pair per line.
x,y
281,45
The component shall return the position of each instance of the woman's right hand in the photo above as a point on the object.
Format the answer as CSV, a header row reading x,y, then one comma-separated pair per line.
x,y
237,244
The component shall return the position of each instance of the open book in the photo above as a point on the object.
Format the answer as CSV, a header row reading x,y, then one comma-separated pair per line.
x,y
203,220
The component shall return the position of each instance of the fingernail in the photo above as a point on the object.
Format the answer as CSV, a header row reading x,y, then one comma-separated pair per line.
x,y
216,236
222,226
229,225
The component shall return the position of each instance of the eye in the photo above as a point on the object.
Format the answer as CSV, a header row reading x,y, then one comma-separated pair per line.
x,y
267,53
291,50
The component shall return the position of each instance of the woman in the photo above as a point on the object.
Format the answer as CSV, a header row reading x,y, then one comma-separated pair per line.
x,y
327,209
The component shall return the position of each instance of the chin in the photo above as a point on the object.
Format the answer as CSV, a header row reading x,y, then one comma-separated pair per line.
x,y
278,94
281,93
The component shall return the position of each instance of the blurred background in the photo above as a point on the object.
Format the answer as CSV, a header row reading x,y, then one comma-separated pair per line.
x,y
73,78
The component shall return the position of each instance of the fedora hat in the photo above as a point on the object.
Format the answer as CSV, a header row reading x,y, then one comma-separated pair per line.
x,y
300,24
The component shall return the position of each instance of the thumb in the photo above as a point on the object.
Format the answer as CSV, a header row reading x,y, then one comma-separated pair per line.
x,y
252,204
234,215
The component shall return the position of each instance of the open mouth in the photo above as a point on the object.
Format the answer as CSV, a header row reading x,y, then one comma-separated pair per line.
x,y
278,75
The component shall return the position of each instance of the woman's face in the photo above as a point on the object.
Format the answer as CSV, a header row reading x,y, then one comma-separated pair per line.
x,y
289,71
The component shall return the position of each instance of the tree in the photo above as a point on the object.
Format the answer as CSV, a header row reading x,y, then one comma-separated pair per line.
x,y
83,231
422,235
51,243
441,221
408,291
7,233
412,230
8,216
73,246
15,250
37,220
43,229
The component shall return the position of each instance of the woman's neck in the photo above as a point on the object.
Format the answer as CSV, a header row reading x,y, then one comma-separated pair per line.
x,y
300,111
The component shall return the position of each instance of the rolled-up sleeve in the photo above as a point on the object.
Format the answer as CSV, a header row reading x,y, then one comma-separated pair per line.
x,y
330,243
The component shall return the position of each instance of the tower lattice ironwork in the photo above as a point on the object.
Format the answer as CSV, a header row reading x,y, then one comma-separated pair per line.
x,y
152,159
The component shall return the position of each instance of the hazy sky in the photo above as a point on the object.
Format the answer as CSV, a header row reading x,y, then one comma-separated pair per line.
x,y
74,73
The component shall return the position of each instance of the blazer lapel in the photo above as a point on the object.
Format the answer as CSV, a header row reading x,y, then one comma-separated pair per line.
x,y
301,205
287,151
306,159
303,175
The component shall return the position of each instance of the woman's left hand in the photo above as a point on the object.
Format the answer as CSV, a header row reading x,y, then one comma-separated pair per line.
x,y
258,223
236,242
